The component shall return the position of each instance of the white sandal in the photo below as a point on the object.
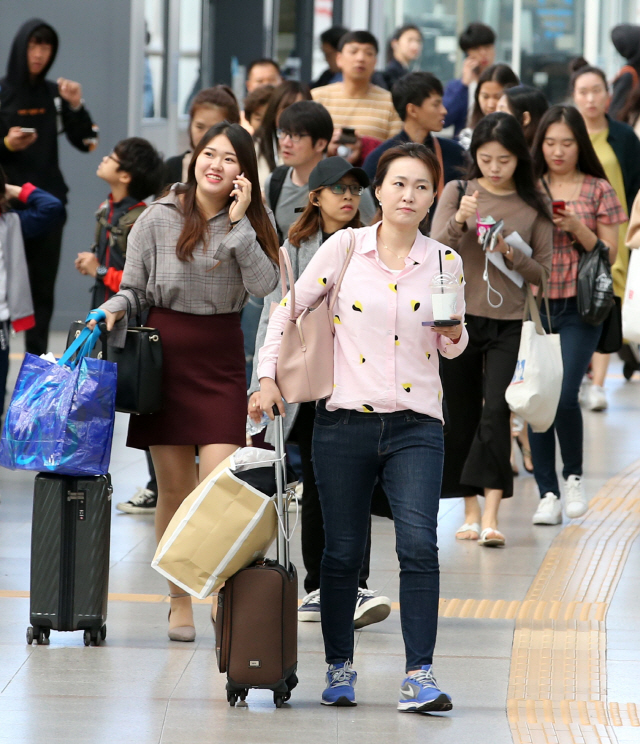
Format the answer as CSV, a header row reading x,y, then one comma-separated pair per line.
x,y
466,527
497,541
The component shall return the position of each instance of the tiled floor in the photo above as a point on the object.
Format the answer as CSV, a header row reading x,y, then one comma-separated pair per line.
x,y
141,688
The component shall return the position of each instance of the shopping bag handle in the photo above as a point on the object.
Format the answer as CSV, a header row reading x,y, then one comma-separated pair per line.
x,y
85,341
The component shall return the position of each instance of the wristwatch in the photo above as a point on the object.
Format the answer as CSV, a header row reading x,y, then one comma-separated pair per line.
x,y
101,272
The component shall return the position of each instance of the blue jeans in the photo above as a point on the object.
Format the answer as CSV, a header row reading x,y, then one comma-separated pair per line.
x,y
406,451
578,341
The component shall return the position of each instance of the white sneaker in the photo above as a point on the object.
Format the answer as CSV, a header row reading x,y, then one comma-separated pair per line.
x,y
597,399
143,501
549,510
370,608
575,501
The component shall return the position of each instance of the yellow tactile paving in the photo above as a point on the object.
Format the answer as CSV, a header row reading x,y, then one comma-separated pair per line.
x,y
558,683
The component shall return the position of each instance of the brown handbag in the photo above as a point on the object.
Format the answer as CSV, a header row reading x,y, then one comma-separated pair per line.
x,y
304,370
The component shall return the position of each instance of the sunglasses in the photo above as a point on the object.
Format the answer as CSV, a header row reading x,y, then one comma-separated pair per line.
x,y
341,188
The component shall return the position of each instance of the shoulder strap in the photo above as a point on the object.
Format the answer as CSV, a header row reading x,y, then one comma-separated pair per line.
x,y
275,185
287,270
462,190
101,221
437,149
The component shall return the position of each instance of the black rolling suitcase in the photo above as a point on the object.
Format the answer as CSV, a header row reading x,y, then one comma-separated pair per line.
x,y
70,534
257,618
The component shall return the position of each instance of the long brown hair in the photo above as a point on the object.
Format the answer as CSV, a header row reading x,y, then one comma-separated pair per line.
x,y
310,222
196,228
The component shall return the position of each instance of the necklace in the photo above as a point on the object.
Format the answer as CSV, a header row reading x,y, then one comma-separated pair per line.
x,y
576,183
391,252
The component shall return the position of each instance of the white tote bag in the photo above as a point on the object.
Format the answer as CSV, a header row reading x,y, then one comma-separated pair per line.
x,y
631,304
534,391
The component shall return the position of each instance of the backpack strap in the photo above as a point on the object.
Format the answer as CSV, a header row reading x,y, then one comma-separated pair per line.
x,y
275,185
628,69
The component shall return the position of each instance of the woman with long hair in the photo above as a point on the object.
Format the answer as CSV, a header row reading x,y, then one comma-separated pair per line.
x,y
618,150
266,140
491,85
528,105
210,107
566,162
384,417
192,259
500,185
334,199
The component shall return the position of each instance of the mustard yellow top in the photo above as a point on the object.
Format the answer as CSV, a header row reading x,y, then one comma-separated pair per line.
x,y
612,169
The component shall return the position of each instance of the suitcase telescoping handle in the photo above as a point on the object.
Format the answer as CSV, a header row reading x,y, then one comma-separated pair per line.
x,y
282,541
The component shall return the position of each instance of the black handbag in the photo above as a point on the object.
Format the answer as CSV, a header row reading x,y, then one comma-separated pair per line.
x,y
595,285
611,336
139,389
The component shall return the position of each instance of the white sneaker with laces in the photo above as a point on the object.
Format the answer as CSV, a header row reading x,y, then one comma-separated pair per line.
x,y
597,399
143,501
309,610
549,510
575,500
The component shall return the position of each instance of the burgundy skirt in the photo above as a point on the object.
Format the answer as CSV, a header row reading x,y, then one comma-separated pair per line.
x,y
204,389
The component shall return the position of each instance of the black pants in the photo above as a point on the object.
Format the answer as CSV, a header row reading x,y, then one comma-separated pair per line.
x,y
312,523
478,438
43,258
152,485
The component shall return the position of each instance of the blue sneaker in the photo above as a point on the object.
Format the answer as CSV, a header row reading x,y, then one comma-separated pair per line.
x,y
309,610
341,680
420,693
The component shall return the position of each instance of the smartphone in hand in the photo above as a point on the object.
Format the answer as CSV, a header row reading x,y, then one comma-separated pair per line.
x,y
27,130
557,206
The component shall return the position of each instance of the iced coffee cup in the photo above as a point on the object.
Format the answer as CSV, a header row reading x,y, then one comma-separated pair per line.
x,y
444,299
483,225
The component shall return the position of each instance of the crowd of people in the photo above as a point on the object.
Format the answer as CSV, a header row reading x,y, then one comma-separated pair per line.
x,y
355,166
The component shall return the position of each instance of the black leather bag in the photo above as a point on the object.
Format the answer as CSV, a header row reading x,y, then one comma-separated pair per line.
x,y
611,336
139,363
595,285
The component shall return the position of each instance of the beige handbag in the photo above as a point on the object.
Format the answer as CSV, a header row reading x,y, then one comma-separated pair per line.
x,y
304,370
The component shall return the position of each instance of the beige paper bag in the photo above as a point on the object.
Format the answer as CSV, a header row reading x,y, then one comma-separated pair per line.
x,y
221,527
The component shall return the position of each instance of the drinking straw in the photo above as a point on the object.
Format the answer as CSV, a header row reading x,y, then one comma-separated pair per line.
x,y
441,272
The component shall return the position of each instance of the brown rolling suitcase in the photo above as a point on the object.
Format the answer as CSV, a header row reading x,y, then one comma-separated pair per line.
x,y
257,618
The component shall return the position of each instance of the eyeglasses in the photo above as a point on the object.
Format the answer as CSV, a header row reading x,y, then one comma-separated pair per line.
x,y
281,134
341,188
114,158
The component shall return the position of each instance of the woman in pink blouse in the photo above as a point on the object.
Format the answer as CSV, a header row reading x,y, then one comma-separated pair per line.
x,y
384,418
572,174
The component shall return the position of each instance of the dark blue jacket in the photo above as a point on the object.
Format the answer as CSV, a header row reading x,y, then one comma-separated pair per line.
x,y
454,158
456,101
39,211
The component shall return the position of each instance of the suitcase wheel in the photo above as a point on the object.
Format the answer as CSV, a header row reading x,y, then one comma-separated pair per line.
x,y
103,632
279,698
232,699
39,635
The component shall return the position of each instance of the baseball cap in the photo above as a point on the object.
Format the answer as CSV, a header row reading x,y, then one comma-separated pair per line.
x,y
331,170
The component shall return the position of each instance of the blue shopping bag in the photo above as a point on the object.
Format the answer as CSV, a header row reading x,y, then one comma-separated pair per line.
x,y
61,415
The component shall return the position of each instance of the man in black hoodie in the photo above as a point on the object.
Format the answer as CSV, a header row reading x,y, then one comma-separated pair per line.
x,y
33,111
626,40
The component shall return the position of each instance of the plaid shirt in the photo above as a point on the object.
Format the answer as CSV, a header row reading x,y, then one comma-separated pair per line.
x,y
597,202
217,280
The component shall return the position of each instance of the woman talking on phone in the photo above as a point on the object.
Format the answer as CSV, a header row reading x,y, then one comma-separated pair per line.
x,y
384,417
585,210
501,186
192,259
